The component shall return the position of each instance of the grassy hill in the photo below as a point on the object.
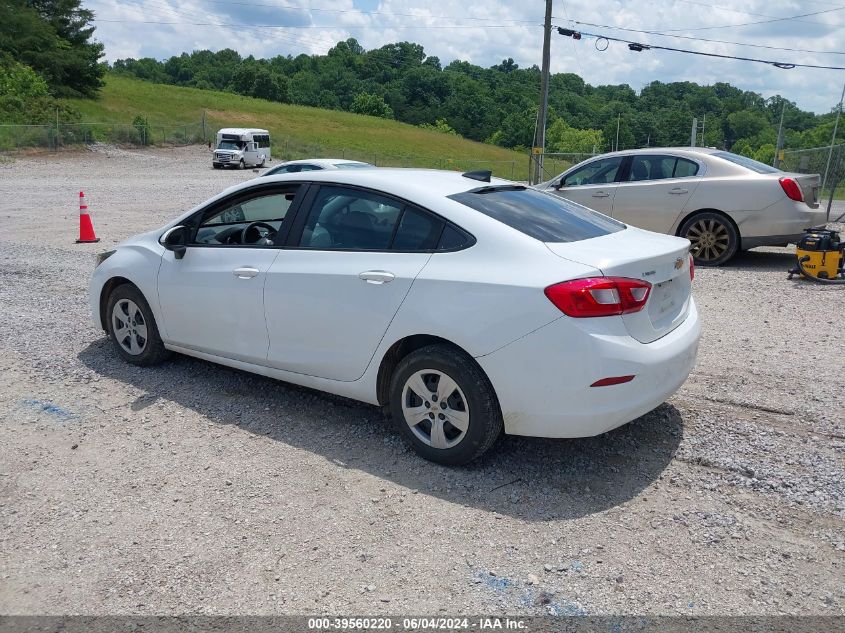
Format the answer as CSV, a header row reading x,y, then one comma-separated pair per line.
x,y
297,131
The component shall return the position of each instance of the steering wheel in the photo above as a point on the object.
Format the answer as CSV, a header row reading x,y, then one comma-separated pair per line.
x,y
251,234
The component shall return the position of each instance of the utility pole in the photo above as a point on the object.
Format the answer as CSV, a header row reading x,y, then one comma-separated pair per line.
x,y
618,120
540,132
779,142
833,142
694,134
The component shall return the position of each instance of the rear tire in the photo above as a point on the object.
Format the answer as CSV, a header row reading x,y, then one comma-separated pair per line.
x,y
132,328
444,405
714,239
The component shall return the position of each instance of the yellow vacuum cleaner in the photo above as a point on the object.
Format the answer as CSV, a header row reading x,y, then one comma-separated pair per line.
x,y
821,256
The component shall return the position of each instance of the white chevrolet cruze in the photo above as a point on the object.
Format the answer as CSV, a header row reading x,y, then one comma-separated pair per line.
x,y
465,304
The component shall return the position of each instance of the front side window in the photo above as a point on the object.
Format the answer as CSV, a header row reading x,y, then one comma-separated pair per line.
x,y
598,172
543,216
225,226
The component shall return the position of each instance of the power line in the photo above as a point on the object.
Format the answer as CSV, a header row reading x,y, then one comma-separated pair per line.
x,y
703,39
638,47
756,15
731,26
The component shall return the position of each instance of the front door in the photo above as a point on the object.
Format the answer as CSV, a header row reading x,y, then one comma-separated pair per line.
x,y
331,296
212,299
593,185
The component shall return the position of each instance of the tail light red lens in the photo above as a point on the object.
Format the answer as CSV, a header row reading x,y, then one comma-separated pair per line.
x,y
691,267
599,296
791,189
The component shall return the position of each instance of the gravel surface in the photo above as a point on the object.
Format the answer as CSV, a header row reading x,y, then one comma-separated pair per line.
x,y
192,488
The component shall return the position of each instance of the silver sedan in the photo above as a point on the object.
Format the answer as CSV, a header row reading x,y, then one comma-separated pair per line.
x,y
721,202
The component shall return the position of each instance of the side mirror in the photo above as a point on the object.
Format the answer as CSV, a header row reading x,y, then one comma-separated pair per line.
x,y
174,239
558,185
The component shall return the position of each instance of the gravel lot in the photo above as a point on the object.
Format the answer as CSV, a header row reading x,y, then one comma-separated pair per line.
x,y
192,488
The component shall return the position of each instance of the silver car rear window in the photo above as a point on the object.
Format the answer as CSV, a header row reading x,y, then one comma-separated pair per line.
x,y
540,215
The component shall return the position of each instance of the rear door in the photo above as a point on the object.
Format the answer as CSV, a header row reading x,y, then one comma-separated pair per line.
x,y
655,191
593,184
332,293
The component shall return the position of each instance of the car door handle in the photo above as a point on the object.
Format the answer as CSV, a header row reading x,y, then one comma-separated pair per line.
x,y
245,272
376,276
600,194
678,190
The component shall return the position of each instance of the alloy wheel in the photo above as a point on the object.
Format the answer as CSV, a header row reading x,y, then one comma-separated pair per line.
x,y
129,326
710,239
435,408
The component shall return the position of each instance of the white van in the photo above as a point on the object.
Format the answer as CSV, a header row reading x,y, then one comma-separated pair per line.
x,y
242,147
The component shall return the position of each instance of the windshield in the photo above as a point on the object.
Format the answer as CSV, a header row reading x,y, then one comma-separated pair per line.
x,y
540,215
748,163
228,145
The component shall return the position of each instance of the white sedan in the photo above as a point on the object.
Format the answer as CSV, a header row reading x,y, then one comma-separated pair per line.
x,y
465,305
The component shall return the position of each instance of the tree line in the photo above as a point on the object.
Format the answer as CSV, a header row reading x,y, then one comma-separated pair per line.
x,y
498,104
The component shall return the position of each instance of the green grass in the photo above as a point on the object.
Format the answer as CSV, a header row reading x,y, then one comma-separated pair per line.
x,y
296,131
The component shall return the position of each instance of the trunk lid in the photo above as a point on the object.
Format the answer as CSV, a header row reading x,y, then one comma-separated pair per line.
x,y
661,260
810,185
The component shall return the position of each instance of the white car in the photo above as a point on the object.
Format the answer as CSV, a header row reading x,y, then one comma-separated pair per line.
x,y
315,164
466,305
721,202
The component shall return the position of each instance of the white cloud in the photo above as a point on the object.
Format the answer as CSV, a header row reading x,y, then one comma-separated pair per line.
x,y
484,33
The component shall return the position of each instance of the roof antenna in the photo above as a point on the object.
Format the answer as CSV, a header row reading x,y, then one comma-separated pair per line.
x,y
483,175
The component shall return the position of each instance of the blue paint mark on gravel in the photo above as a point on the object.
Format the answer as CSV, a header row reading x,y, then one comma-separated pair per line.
x,y
51,409
528,596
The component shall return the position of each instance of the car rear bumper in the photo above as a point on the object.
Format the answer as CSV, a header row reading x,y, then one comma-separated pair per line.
x,y
781,223
543,379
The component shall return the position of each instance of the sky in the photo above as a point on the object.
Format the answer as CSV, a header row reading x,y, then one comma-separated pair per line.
x,y
486,32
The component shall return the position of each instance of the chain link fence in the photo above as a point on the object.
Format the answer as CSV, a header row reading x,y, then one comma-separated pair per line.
x,y
829,162
553,163
52,137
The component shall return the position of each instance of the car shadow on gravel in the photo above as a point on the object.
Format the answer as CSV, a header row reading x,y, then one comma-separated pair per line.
x,y
530,478
762,261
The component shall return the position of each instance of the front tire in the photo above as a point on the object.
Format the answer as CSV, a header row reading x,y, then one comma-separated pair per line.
x,y
714,239
444,405
132,327
241,164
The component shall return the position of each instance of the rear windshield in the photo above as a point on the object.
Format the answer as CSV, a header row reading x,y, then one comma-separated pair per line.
x,y
543,216
748,163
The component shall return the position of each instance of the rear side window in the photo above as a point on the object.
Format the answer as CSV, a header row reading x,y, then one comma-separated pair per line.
x,y
540,215
417,231
453,239
748,163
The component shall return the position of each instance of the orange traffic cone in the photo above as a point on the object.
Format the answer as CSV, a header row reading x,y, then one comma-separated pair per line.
x,y
86,228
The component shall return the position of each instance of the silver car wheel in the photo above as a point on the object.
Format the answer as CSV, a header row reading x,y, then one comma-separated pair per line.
x,y
435,409
129,327
710,239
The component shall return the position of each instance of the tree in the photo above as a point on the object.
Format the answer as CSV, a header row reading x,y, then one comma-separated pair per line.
x,y
25,96
440,125
371,105
53,37
562,138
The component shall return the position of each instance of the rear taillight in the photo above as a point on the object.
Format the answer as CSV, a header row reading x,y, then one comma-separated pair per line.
x,y
691,267
599,296
791,189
